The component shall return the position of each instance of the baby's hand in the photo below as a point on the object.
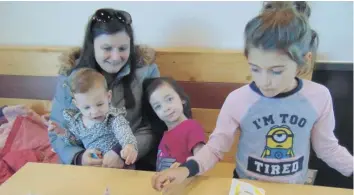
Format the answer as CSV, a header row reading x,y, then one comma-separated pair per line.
x,y
129,154
112,160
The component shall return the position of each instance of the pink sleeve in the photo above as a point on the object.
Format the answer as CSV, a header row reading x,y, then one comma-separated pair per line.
x,y
195,135
220,140
325,143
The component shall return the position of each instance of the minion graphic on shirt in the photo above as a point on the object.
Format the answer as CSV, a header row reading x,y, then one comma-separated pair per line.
x,y
279,143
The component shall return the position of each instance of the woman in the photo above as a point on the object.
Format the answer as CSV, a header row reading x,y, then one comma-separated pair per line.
x,y
109,48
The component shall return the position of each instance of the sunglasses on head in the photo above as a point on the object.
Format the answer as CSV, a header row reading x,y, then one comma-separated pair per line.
x,y
106,15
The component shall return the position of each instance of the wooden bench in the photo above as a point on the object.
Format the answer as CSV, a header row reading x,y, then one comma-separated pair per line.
x,y
28,76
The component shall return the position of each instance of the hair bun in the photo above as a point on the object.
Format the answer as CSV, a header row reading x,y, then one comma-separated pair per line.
x,y
301,7
278,13
277,5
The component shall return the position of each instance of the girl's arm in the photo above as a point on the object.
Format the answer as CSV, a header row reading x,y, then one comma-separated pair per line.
x,y
325,143
220,141
197,148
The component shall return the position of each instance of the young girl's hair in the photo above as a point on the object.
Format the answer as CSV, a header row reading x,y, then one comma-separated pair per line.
x,y
84,79
149,86
284,26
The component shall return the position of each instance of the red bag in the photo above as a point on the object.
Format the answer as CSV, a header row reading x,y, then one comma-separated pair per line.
x,y
27,142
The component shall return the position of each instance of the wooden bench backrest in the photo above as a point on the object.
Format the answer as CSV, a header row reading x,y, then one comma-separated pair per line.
x,y
28,76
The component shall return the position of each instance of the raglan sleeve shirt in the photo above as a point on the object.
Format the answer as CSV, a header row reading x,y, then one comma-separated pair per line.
x,y
220,140
324,142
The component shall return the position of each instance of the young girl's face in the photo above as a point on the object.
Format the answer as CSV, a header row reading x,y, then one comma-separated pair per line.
x,y
272,71
94,104
167,105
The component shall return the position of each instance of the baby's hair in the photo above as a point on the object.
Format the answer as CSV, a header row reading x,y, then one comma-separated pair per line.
x,y
84,79
149,86
284,26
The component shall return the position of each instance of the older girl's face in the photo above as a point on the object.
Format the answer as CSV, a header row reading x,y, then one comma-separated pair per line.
x,y
112,51
272,71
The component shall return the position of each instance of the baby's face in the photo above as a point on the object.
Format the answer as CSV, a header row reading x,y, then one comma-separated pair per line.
x,y
94,104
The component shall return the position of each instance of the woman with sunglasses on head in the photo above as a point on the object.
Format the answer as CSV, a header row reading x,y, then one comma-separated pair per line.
x,y
108,48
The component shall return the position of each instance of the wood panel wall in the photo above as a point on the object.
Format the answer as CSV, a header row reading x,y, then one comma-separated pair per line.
x,y
28,76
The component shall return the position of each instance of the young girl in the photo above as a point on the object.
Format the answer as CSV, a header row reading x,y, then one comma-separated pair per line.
x,y
169,112
95,124
278,114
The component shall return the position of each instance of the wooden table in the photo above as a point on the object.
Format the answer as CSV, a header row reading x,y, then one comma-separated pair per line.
x,y
54,179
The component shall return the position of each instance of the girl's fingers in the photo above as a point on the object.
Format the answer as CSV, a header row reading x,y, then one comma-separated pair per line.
x,y
153,180
162,182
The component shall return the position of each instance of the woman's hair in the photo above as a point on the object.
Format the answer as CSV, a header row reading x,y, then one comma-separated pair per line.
x,y
283,26
84,79
149,86
116,21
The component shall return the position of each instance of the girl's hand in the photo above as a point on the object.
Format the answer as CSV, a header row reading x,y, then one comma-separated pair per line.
x,y
112,160
167,178
129,154
175,165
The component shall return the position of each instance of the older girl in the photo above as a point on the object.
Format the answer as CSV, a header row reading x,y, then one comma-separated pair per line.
x,y
279,114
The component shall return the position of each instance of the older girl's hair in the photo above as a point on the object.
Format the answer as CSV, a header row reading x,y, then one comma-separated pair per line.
x,y
284,26
149,86
109,21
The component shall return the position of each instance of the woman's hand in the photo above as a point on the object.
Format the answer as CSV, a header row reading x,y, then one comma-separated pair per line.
x,y
112,160
169,177
88,160
53,126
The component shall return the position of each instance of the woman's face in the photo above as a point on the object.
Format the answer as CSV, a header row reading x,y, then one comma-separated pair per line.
x,y
112,51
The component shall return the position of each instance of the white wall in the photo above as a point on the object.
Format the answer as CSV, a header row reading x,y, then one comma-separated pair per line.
x,y
168,24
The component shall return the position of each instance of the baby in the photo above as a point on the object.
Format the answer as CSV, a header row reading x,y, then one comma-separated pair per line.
x,y
95,124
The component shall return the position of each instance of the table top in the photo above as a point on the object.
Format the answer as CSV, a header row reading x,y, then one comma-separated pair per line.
x,y
56,179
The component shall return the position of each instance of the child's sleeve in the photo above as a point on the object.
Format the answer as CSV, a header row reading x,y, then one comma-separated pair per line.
x,y
123,132
220,141
195,135
325,144
70,139
68,135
